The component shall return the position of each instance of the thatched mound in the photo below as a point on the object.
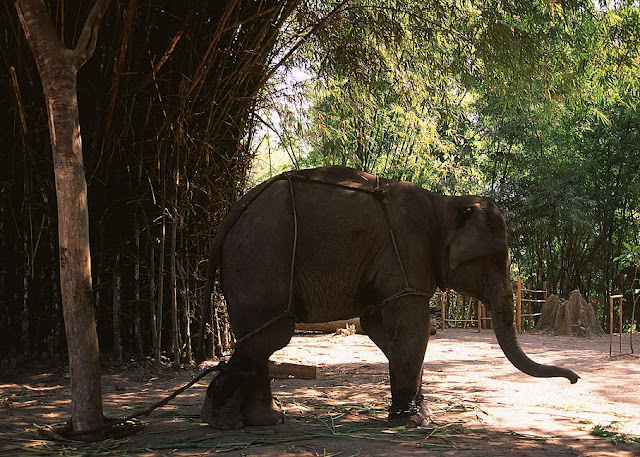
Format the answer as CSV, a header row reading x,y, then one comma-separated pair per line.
x,y
573,317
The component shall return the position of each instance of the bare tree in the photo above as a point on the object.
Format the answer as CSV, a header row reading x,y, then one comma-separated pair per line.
x,y
58,67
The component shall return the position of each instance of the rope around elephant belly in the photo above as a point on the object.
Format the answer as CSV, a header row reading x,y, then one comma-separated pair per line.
x,y
380,195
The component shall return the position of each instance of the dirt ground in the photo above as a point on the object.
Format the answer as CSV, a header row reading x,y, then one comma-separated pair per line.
x,y
481,405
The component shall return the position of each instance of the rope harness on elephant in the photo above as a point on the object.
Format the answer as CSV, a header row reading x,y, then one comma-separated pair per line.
x,y
378,193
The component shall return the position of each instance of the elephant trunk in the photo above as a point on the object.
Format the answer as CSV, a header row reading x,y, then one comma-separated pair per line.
x,y
504,328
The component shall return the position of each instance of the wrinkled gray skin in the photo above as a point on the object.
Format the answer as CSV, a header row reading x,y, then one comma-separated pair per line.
x,y
346,265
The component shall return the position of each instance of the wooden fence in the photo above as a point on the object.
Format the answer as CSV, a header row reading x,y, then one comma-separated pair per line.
x,y
529,298
466,312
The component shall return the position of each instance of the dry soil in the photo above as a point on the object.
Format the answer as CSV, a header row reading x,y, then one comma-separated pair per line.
x,y
481,405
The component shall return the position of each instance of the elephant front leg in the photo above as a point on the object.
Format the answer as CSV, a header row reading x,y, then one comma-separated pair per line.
x,y
406,325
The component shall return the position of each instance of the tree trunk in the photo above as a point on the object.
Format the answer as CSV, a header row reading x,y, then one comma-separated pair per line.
x,y
58,67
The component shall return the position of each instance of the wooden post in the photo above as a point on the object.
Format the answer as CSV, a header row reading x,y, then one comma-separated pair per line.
x,y
479,316
620,311
519,306
610,323
611,298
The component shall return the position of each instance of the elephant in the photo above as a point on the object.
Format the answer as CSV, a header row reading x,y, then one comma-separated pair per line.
x,y
333,243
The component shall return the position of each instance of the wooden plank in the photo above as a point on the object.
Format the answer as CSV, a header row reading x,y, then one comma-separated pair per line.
x,y
329,327
533,291
283,370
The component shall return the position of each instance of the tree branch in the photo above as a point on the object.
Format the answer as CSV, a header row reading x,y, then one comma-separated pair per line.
x,y
87,42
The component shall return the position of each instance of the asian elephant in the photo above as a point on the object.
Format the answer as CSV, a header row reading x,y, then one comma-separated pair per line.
x,y
336,243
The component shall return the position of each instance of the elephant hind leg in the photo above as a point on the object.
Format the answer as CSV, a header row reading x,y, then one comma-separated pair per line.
x,y
225,395
241,394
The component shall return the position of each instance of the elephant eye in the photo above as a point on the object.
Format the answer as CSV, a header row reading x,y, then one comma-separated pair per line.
x,y
463,215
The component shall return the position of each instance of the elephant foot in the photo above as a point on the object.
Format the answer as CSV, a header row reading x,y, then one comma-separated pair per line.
x,y
259,407
223,419
261,414
416,414
223,403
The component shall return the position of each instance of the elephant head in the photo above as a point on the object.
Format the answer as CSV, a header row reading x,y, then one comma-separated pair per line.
x,y
475,261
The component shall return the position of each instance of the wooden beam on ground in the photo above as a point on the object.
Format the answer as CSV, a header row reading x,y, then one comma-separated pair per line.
x,y
283,370
330,327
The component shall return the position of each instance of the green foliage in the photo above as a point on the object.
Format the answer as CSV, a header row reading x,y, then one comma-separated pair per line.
x,y
630,256
564,160
534,104
603,432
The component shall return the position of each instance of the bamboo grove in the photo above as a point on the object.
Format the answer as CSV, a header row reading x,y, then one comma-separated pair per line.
x,y
166,115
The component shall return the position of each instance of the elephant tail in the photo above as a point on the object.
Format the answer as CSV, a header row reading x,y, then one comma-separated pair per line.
x,y
212,267
215,254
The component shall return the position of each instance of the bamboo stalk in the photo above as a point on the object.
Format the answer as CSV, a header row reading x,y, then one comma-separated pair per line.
x,y
23,118
25,341
443,296
129,15
175,326
187,322
137,320
116,291
152,300
158,348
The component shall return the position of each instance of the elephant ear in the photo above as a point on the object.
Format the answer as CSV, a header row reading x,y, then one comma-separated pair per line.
x,y
480,232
